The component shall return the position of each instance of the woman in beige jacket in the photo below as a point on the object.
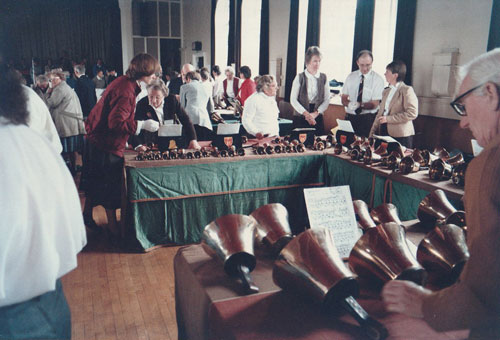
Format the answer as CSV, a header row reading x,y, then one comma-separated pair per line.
x,y
398,108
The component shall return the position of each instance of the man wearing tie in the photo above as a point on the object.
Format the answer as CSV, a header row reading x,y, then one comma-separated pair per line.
x,y
362,93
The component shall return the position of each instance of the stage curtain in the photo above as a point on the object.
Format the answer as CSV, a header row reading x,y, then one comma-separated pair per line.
x,y
264,38
234,41
363,28
494,37
291,56
59,28
405,29
313,23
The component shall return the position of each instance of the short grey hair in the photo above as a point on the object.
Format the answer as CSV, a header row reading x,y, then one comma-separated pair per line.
x,y
311,52
229,69
263,81
80,69
42,79
482,69
158,85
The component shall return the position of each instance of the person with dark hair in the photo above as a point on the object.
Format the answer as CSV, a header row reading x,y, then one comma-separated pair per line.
x,y
195,100
362,93
99,80
99,66
85,89
247,87
41,85
310,95
163,107
41,226
66,111
260,115
109,125
110,75
399,107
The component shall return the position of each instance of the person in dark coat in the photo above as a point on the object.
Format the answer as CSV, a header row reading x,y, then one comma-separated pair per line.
x,y
164,108
85,89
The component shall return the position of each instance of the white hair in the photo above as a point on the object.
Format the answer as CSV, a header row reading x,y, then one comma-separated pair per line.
x,y
482,69
229,69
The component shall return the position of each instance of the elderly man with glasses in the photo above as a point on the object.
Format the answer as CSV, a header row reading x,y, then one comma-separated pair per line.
x,y
474,301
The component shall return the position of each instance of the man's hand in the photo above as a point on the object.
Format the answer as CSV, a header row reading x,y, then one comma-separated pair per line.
x,y
309,118
259,135
345,99
194,145
382,119
404,297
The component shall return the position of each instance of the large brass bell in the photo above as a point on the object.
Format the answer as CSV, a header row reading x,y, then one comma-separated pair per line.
x,y
310,265
458,174
442,170
443,253
231,238
383,254
385,213
408,165
362,213
273,228
436,208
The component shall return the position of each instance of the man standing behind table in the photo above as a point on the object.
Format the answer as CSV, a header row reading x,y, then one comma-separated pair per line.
x,y
473,302
230,87
362,93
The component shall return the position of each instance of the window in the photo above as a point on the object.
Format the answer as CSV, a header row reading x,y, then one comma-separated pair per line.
x,y
384,33
336,38
301,34
250,33
221,33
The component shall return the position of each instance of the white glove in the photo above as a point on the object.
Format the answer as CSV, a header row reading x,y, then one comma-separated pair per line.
x,y
148,125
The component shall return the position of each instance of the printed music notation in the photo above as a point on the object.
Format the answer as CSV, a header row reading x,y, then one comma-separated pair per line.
x,y
332,208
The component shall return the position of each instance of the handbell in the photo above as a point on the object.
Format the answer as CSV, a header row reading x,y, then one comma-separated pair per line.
x,y
362,213
231,238
338,148
408,165
310,265
393,161
383,254
370,157
241,152
458,174
440,170
273,228
443,252
385,213
436,208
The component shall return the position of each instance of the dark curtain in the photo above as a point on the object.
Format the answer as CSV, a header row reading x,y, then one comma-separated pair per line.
x,y
405,29
313,23
234,41
264,38
494,37
363,28
291,56
212,32
58,29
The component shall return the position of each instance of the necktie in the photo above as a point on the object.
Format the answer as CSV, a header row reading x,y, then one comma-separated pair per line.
x,y
360,94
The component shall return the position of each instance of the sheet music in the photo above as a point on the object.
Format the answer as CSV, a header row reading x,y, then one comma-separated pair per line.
x,y
228,129
345,125
332,208
170,130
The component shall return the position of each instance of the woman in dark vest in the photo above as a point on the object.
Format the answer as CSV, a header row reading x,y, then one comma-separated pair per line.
x,y
310,94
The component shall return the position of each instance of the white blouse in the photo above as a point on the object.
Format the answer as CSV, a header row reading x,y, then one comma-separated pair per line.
x,y
260,114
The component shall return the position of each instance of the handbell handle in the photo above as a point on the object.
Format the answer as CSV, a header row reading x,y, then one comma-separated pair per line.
x,y
243,274
372,328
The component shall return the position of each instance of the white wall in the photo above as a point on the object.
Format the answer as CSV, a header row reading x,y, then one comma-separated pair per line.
x,y
441,25
279,19
196,27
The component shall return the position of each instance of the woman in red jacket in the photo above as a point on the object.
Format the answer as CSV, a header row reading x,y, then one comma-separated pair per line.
x,y
248,85
109,125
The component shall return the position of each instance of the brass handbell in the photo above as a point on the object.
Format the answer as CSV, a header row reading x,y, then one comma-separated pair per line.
x,y
362,213
273,229
442,170
418,157
436,208
385,213
408,165
458,174
310,265
393,160
370,157
231,237
443,252
383,254
338,148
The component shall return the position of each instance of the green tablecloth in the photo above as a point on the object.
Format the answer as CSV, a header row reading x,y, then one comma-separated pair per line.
x,y
172,204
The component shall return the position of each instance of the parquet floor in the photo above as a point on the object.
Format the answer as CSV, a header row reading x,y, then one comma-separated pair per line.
x,y
118,295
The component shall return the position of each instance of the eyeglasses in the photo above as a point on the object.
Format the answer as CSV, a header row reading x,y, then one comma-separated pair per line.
x,y
459,107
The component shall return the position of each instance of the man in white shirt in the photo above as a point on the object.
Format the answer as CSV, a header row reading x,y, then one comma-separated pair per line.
x,y
362,93
260,114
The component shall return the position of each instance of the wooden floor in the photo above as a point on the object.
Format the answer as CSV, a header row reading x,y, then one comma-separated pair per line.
x,y
118,295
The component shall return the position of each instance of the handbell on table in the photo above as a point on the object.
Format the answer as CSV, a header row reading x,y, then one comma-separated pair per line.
x,y
362,213
385,213
382,254
231,238
272,227
443,252
436,208
408,165
310,265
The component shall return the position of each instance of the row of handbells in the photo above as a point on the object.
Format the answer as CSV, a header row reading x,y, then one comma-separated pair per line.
x,y
309,264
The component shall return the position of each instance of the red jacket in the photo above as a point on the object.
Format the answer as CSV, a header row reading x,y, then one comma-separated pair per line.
x,y
246,90
111,121
236,83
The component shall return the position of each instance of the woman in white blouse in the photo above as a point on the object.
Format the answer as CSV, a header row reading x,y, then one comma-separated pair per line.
x,y
310,94
260,115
